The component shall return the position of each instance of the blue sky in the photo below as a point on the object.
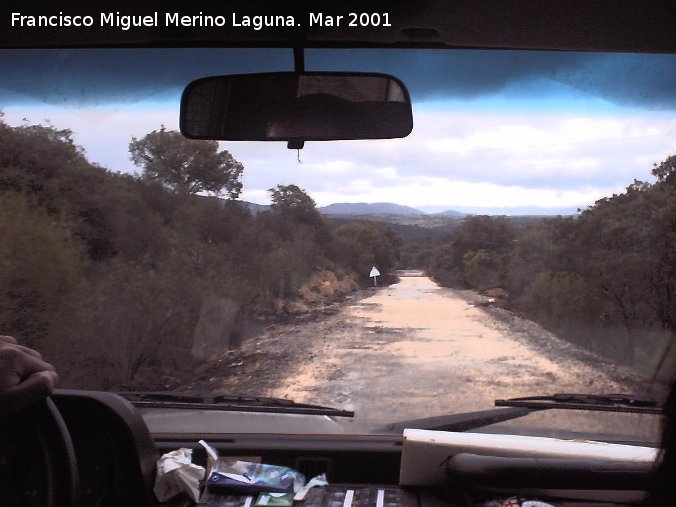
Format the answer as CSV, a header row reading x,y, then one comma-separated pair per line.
x,y
491,129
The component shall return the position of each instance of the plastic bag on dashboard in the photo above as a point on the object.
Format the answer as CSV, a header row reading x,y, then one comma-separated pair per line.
x,y
177,473
245,478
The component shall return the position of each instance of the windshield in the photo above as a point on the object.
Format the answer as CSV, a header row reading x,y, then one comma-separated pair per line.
x,y
521,241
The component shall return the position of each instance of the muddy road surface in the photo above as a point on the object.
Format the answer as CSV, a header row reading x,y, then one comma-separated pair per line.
x,y
415,349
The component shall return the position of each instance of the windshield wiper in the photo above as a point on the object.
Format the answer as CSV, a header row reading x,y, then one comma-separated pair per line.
x,y
229,403
461,422
520,407
604,402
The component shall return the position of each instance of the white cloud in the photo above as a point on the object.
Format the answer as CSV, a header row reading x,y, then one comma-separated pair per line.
x,y
331,167
440,191
453,157
104,132
386,173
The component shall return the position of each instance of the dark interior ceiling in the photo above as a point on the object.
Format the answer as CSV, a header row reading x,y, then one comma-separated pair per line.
x,y
609,25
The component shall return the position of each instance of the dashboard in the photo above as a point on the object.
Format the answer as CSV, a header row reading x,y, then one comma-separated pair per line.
x,y
115,454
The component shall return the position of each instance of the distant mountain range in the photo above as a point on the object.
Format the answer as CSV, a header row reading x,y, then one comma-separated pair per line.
x,y
515,210
451,213
440,210
366,208
388,208
383,209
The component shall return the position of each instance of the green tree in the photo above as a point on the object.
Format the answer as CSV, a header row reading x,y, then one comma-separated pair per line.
x,y
362,244
479,243
295,208
293,202
665,169
186,166
481,269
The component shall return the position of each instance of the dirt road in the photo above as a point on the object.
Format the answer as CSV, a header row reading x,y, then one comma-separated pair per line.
x,y
415,349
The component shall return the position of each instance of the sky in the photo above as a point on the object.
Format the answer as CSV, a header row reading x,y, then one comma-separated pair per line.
x,y
519,130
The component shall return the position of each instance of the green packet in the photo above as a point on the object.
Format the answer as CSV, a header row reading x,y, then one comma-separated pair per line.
x,y
274,500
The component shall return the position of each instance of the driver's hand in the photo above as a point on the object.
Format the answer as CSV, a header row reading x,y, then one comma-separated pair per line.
x,y
24,377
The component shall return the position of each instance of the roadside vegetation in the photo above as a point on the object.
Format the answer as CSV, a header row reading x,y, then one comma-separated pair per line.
x,y
605,279
119,279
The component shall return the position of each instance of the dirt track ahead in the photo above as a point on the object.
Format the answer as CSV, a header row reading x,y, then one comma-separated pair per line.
x,y
415,349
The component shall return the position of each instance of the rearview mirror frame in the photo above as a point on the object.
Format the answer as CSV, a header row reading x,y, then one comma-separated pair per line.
x,y
296,107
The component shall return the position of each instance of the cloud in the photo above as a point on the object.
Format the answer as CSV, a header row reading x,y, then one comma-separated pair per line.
x,y
458,158
442,191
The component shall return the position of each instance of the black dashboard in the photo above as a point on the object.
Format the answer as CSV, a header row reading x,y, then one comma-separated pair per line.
x,y
115,457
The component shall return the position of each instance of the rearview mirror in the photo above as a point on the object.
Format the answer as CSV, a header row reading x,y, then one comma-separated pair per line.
x,y
312,106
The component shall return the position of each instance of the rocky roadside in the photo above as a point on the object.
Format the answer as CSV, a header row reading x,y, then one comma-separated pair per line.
x,y
549,344
256,367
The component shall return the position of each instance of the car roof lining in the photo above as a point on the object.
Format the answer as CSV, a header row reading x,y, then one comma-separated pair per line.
x,y
580,25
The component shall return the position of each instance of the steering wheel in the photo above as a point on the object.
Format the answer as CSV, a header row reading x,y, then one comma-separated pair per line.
x,y
38,466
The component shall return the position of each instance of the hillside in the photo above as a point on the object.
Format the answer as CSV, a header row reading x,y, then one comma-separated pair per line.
x,y
364,208
160,276
451,213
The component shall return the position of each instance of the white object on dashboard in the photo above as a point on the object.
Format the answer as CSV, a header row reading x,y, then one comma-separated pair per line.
x,y
320,480
425,451
349,495
175,472
380,499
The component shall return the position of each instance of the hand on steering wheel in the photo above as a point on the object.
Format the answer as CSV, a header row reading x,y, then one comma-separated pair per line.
x,y
40,455
24,377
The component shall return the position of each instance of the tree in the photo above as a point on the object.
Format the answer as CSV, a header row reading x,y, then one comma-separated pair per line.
x,y
361,244
296,216
483,242
666,169
481,269
186,166
293,202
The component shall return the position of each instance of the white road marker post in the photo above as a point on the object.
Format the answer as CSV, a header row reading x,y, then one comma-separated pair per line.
x,y
374,274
